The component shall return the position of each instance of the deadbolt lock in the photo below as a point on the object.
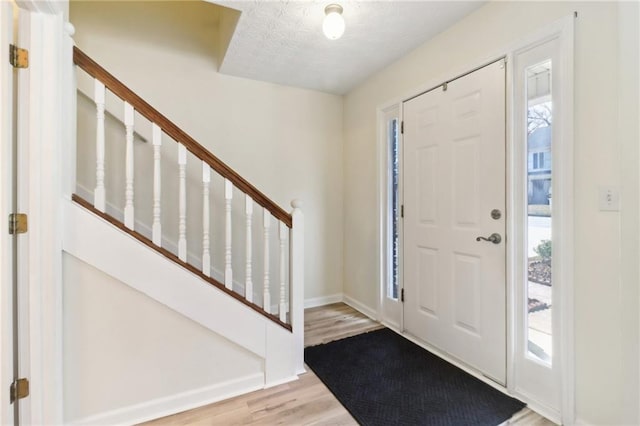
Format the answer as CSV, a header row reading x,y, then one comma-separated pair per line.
x,y
496,214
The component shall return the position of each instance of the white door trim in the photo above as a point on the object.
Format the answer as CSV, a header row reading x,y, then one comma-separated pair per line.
x,y
47,7
44,98
387,316
6,207
561,30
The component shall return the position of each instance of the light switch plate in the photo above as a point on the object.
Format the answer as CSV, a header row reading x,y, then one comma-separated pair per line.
x,y
609,199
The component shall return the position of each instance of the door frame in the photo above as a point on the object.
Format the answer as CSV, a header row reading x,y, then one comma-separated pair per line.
x,y
563,240
44,123
6,207
562,29
387,308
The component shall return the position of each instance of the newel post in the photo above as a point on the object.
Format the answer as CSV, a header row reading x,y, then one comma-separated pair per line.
x,y
296,274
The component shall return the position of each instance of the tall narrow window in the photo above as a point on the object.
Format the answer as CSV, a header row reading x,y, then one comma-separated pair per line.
x,y
539,224
394,205
390,190
543,216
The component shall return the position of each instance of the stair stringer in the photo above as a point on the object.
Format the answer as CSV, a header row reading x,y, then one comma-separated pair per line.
x,y
100,244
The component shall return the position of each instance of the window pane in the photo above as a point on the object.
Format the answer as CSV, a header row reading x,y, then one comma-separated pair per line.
x,y
539,226
392,138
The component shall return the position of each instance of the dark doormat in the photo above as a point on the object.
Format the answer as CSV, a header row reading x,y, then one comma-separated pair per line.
x,y
384,379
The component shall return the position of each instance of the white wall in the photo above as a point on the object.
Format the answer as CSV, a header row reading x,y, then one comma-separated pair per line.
x,y
606,153
123,349
286,141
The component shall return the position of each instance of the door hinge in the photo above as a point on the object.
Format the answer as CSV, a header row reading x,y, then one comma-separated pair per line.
x,y
402,211
402,127
402,295
18,223
445,86
18,58
19,389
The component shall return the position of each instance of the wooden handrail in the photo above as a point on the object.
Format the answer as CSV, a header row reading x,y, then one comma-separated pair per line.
x,y
123,92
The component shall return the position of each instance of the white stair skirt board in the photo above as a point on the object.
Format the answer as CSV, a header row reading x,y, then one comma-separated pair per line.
x,y
314,302
93,240
172,245
177,403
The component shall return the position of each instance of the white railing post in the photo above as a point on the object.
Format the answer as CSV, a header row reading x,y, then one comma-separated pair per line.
x,y
266,298
228,272
157,190
129,164
248,282
296,282
99,193
182,204
282,309
70,83
206,257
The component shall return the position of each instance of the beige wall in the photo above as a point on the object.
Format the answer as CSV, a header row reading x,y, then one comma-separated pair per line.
x,y
286,141
606,153
290,143
123,348
629,137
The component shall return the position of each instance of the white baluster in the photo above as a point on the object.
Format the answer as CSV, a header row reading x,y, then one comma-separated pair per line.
x,y
99,193
206,257
129,161
182,204
248,284
266,306
228,272
157,226
283,305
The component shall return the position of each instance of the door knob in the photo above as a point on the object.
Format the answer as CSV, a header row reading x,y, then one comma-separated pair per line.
x,y
493,238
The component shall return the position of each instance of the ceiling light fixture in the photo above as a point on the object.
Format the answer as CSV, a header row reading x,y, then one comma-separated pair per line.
x,y
333,24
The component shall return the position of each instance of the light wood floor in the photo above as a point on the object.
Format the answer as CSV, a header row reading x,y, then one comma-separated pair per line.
x,y
306,401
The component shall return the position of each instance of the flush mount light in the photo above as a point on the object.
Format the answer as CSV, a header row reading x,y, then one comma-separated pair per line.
x,y
333,24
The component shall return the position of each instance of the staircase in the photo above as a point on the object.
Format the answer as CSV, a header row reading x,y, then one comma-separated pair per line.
x,y
257,304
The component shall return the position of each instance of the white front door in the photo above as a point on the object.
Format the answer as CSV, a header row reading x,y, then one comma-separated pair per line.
x,y
454,193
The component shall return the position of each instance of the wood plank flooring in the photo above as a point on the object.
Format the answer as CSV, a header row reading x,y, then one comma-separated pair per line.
x,y
334,322
306,401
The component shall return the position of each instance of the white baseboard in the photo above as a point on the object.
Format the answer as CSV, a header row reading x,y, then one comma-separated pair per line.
x,y
392,325
322,300
358,306
167,406
282,382
537,407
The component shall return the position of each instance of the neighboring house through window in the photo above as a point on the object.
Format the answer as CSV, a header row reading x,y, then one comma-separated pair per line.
x,y
539,162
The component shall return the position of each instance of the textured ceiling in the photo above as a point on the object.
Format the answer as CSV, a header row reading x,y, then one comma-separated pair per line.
x,y
282,41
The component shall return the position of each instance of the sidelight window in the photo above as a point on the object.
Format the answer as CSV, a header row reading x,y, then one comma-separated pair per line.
x,y
539,233
394,206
